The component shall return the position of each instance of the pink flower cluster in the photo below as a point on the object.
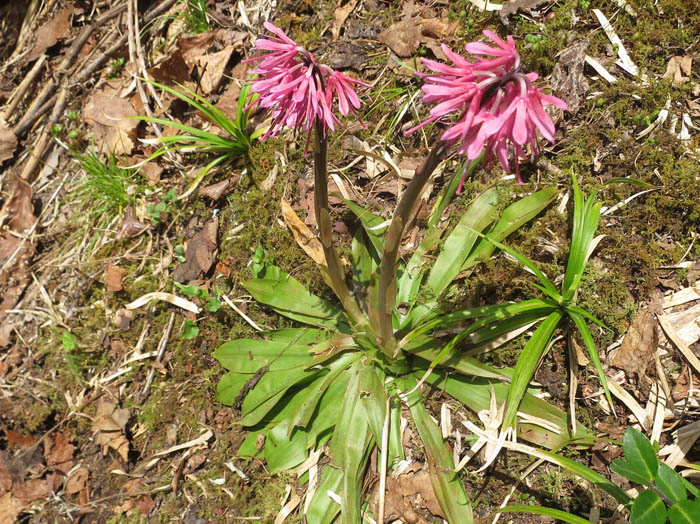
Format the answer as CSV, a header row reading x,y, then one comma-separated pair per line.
x,y
498,108
295,89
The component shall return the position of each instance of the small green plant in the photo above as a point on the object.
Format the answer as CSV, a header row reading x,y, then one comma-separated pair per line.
x,y
116,66
666,497
584,4
558,306
195,140
105,188
189,330
535,40
212,303
196,16
157,213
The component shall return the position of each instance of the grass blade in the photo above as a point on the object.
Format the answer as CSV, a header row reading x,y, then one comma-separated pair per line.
x,y
527,362
548,512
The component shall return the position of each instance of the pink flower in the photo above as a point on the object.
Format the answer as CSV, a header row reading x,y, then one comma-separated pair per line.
x,y
498,108
295,89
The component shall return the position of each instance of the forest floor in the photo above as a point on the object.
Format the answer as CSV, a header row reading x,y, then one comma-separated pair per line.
x,y
108,409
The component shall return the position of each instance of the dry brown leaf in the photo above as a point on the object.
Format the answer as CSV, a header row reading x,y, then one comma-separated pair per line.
x,y
340,14
152,172
686,324
404,37
19,440
172,70
8,143
215,191
679,69
200,253
302,234
5,475
77,481
54,30
512,7
109,424
58,452
144,504
639,345
406,494
10,508
114,277
114,131
212,66
31,490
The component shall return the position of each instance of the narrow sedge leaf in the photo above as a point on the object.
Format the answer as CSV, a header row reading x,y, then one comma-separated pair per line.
x,y
628,180
551,288
591,476
648,509
685,512
374,225
548,512
450,190
512,218
670,484
373,401
446,484
640,454
459,243
592,352
412,275
527,362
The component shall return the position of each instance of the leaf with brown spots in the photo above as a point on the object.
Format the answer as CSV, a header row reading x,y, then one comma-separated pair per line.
x,y
200,253
77,481
638,346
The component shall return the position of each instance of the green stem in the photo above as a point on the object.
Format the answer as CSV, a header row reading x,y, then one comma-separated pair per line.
x,y
325,227
387,275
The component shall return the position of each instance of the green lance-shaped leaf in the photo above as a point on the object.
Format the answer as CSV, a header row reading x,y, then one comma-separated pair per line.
x,y
685,512
446,484
648,509
412,273
527,362
548,512
670,484
480,213
364,262
640,455
450,190
512,218
592,351
374,225
249,355
350,447
285,449
289,298
323,509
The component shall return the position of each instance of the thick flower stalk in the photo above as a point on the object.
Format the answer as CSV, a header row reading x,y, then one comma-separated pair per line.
x,y
494,107
297,91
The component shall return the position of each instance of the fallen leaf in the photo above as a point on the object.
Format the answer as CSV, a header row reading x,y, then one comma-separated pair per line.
x,y
51,32
114,129
144,504
152,172
200,253
108,426
404,37
407,493
8,143
5,475
31,490
19,440
77,481
638,346
340,14
10,508
114,277
58,452
686,324
172,70
215,191
302,234
211,67
682,386
679,69
567,76
527,6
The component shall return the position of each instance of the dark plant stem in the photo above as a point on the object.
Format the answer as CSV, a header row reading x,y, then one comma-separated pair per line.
x,y
325,227
387,275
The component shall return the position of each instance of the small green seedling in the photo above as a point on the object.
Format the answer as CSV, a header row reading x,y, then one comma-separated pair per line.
x,y
189,330
158,213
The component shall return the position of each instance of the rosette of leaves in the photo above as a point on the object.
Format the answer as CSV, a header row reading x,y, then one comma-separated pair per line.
x,y
333,385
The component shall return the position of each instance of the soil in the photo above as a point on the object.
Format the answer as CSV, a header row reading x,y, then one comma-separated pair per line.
x,y
108,409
